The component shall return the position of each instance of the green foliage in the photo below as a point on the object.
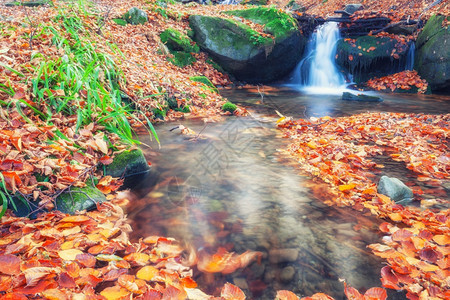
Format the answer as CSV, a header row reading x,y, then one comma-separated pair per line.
x,y
160,112
228,106
83,82
121,22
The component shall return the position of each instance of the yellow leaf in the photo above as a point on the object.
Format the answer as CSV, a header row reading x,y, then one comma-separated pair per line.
x,y
102,146
395,217
280,119
114,293
346,187
67,245
442,239
71,231
147,273
75,219
312,145
69,254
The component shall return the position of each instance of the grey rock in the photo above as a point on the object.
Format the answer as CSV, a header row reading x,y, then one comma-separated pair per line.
x,y
135,16
395,189
352,8
240,283
283,255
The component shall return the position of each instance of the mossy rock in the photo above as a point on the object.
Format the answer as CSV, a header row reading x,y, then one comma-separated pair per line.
x,y
245,53
28,3
254,2
128,163
230,107
432,59
369,57
206,82
177,41
180,46
77,199
135,16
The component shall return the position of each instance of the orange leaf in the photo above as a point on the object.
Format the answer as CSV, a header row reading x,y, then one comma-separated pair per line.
x,y
86,259
147,273
54,294
114,293
232,292
375,293
75,219
346,187
442,239
350,57
286,295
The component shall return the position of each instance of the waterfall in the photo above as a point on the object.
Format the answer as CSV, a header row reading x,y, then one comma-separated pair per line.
x,y
317,70
410,57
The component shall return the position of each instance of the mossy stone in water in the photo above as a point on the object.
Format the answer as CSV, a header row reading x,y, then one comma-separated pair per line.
x,y
77,199
128,163
135,16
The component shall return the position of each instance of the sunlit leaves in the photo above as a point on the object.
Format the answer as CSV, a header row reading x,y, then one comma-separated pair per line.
x,y
9,264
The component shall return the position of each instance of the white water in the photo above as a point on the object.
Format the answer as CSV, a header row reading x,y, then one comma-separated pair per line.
x,y
317,72
410,57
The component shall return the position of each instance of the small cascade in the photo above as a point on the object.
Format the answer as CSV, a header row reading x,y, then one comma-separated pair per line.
x,y
410,57
317,69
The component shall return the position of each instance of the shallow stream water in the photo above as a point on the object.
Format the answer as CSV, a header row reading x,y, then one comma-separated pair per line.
x,y
228,187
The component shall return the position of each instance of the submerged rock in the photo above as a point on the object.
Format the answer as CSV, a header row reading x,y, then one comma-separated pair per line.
x,y
368,56
283,255
245,53
77,199
395,189
135,16
432,59
360,97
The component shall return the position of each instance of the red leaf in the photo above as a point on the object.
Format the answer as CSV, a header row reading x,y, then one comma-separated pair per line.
x,y
66,281
232,292
352,293
429,255
14,296
9,264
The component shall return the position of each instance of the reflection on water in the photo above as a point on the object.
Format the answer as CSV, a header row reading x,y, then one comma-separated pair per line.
x,y
227,188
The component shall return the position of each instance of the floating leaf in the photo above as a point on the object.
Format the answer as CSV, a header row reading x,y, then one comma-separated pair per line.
x,y
232,292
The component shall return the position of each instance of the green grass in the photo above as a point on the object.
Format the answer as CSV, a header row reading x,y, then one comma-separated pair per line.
x,y
84,81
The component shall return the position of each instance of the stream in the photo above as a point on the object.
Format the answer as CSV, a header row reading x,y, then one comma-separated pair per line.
x,y
228,187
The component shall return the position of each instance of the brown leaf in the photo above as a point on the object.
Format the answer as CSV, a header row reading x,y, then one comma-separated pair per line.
x,y
9,264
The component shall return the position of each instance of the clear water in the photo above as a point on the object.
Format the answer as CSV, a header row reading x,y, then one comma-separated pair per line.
x,y
317,70
410,57
229,188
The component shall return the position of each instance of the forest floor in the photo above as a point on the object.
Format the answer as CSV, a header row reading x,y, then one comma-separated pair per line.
x,y
55,131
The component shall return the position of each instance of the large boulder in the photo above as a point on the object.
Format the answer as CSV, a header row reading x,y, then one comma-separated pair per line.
x,y
369,56
432,60
245,53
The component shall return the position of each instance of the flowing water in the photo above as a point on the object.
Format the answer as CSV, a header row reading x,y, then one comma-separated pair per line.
x,y
410,57
317,69
228,187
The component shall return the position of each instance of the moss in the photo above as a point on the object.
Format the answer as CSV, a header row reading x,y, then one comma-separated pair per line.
x,y
181,59
159,113
228,106
177,41
433,27
229,34
121,22
77,199
277,23
28,3
127,163
215,65
206,82
255,2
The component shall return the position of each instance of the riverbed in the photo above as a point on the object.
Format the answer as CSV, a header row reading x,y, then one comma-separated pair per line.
x,y
227,186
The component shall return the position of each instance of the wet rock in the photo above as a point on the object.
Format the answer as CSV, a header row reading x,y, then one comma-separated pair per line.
x,y
432,60
257,270
395,189
283,255
135,16
355,57
245,53
130,164
78,199
287,274
240,283
360,97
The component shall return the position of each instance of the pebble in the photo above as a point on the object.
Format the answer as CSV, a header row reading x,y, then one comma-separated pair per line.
x,y
287,274
283,255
